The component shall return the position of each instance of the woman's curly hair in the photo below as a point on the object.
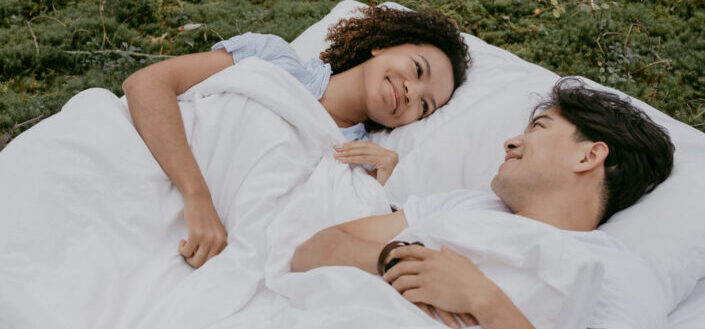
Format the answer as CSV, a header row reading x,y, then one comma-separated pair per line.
x,y
353,39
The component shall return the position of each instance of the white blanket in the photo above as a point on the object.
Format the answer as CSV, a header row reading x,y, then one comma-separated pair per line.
x,y
90,223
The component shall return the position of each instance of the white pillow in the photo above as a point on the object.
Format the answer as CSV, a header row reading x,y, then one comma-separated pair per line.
x,y
461,147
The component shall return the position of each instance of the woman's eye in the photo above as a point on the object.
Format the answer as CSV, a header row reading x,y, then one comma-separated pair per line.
x,y
419,71
424,105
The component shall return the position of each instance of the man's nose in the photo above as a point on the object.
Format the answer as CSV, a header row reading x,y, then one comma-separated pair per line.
x,y
513,143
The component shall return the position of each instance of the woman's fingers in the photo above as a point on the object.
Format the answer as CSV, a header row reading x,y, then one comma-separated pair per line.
x,y
356,144
187,249
360,148
357,151
448,318
358,159
212,253
404,267
200,257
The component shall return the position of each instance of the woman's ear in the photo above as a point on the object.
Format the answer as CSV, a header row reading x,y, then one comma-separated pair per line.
x,y
376,51
594,155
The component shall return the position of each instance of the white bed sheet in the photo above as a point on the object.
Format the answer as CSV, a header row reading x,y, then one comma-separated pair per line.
x,y
690,314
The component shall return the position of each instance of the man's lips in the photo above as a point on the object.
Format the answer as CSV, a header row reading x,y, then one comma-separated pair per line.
x,y
511,156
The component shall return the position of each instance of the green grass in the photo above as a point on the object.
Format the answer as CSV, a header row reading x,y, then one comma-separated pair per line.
x,y
652,50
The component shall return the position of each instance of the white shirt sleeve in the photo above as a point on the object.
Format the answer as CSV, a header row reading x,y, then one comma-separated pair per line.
x,y
630,296
417,208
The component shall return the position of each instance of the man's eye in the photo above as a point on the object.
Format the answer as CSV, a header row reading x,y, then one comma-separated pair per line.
x,y
536,123
419,70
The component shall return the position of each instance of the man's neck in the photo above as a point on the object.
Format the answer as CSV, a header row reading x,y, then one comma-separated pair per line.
x,y
566,210
344,97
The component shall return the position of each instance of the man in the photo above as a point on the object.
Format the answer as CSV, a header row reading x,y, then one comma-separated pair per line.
x,y
585,155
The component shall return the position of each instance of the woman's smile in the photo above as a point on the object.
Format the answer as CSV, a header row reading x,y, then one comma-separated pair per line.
x,y
394,96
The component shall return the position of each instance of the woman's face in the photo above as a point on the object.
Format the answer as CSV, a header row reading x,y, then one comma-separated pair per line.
x,y
406,83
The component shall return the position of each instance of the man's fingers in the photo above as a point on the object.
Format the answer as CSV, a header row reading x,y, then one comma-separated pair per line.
x,y
403,268
414,295
406,282
445,249
468,319
426,309
448,318
414,251
187,249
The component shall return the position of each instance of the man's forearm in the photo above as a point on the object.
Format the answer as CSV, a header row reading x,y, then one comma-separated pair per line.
x,y
334,246
496,311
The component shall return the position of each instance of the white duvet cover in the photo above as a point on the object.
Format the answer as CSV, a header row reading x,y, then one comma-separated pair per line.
x,y
90,223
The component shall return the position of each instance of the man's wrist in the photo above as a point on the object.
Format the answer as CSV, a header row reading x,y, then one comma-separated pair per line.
x,y
484,304
493,309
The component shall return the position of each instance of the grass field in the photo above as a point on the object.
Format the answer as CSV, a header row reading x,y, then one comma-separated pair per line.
x,y
50,50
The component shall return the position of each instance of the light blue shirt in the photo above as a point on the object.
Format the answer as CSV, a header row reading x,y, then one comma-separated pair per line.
x,y
314,74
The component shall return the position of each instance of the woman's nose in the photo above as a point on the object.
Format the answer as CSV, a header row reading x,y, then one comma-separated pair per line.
x,y
410,91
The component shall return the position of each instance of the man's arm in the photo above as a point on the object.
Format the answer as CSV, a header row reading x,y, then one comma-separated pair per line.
x,y
451,282
355,243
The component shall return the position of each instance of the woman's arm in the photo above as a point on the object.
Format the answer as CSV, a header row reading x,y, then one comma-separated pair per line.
x,y
151,96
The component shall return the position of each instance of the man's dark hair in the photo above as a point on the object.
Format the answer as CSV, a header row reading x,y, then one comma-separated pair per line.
x,y
353,39
640,151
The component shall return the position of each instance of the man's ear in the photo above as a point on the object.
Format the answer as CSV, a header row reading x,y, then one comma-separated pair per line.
x,y
594,155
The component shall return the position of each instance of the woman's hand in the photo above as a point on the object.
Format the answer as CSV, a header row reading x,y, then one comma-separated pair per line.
x,y
450,282
206,234
369,153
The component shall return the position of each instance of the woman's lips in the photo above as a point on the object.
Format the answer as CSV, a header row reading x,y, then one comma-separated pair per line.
x,y
394,95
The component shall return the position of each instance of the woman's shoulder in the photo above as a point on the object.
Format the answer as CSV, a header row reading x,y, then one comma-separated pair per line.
x,y
256,44
314,74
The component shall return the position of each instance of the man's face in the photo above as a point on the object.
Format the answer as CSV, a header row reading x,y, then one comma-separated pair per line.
x,y
539,160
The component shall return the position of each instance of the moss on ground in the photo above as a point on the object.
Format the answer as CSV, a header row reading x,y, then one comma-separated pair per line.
x,y
52,49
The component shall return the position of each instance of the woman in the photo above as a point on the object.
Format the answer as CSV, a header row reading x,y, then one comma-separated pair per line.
x,y
389,68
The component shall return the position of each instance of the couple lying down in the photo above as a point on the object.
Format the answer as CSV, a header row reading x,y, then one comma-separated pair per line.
x,y
584,156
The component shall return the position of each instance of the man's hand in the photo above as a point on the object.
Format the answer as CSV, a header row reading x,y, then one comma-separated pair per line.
x,y
452,283
206,234
369,153
440,278
449,319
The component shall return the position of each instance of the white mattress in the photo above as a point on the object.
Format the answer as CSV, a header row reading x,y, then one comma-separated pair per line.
x,y
690,314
